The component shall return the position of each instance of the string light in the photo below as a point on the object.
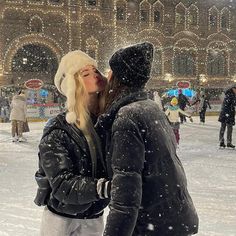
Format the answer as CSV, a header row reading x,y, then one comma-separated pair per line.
x,y
120,30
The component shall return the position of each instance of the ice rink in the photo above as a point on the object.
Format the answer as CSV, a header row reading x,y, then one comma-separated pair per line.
x,y
211,177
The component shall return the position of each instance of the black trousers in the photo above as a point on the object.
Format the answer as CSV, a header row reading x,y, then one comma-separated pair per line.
x,y
229,132
202,115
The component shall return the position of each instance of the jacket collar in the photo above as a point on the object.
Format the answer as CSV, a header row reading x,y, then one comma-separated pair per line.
x,y
105,120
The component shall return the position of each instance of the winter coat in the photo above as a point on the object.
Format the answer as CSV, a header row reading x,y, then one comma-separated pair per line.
x,y
149,188
65,180
203,103
173,112
183,101
227,114
18,108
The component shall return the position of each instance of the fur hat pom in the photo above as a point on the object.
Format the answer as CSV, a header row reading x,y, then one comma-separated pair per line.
x,y
71,117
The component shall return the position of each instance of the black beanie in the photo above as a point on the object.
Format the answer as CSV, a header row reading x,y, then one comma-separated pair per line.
x,y
132,65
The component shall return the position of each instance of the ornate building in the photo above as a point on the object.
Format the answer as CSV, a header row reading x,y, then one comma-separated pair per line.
x,y
194,40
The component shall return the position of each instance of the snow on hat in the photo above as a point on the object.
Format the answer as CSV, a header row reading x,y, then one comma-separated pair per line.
x,y
64,79
174,101
132,65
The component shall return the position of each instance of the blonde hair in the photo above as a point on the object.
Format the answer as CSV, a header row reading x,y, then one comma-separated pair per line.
x,y
84,122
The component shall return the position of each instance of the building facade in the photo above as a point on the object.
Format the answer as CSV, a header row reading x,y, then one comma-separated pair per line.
x,y
195,40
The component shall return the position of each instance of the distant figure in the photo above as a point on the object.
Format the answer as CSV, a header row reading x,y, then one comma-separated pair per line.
x,y
18,116
183,101
227,116
203,105
172,113
195,101
157,99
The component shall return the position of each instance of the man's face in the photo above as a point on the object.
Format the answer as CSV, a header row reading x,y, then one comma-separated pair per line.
x,y
234,90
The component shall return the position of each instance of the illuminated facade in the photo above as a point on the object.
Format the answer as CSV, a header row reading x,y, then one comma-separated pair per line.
x,y
194,40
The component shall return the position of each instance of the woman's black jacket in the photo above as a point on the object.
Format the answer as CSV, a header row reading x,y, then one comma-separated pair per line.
x,y
149,195
66,184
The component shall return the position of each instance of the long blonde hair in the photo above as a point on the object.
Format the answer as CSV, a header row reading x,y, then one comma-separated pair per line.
x,y
84,122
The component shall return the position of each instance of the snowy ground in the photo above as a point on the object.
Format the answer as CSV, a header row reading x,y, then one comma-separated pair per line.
x,y
211,177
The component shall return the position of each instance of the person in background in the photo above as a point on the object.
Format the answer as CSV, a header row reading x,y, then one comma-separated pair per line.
x,y
227,116
157,99
71,170
149,195
173,113
183,102
18,116
203,105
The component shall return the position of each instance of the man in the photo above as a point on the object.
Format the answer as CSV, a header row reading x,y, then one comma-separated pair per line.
x,y
149,195
227,116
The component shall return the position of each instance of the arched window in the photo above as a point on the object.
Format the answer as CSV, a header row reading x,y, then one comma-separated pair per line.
x,y
36,24
184,63
158,12
216,63
91,2
213,18
193,16
144,12
34,58
180,12
225,18
120,11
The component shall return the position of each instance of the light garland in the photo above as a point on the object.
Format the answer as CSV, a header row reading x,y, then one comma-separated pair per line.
x,y
178,10
25,10
213,11
159,7
30,39
84,10
191,11
37,18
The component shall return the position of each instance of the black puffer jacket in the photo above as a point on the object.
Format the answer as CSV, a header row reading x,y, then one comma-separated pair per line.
x,y
227,114
65,176
149,195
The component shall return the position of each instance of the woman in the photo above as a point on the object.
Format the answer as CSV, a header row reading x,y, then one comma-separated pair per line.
x,y
149,189
70,159
18,116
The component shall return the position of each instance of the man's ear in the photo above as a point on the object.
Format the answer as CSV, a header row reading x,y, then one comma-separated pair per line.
x,y
109,75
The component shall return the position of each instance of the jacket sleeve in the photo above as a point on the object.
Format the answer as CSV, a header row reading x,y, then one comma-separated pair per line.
x,y
126,190
67,187
167,112
183,112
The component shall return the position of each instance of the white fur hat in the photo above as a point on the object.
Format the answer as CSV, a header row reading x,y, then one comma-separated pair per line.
x,y
64,79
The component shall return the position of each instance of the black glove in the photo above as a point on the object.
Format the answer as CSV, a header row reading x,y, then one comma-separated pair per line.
x,y
104,188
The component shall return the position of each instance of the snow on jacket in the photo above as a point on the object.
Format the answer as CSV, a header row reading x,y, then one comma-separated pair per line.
x,y
227,114
18,108
173,112
149,193
64,178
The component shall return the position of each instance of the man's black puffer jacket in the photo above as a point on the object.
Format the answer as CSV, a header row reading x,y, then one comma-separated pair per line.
x,y
65,176
149,195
